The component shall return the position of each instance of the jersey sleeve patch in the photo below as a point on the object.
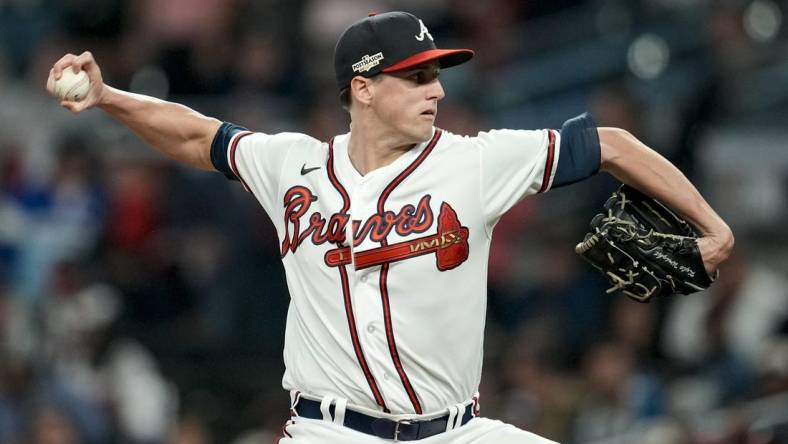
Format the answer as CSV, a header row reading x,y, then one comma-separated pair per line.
x,y
580,156
219,146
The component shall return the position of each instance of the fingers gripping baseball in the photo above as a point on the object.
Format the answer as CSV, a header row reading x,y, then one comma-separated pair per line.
x,y
83,62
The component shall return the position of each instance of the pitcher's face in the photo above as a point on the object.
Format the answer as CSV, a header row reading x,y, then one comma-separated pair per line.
x,y
408,100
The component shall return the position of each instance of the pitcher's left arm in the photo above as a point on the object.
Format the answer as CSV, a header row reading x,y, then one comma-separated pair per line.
x,y
637,165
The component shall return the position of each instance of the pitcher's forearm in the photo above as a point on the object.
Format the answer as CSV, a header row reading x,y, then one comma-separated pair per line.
x,y
175,130
634,163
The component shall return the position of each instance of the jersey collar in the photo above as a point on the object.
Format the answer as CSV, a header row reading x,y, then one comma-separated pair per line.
x,y
346,170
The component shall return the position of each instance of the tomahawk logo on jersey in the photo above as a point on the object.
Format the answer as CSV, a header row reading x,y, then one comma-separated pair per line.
x,y
387,271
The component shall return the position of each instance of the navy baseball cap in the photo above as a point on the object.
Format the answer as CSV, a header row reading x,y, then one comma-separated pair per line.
x,y
389,42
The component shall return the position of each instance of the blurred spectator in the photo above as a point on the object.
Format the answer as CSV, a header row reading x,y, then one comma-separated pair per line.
x,y
667,431
773,363
111,373
190,430
619,394
18,333
51,426
538,396
721,337
635,326
23,391
62,218
22,25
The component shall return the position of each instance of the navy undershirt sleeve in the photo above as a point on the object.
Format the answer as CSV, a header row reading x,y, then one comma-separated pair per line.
x,y
580,153
219,148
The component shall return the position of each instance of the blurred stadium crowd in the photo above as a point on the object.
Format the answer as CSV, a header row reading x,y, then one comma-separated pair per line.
x,y
143,302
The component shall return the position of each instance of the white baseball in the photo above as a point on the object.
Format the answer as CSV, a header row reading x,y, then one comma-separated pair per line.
x,y
72,87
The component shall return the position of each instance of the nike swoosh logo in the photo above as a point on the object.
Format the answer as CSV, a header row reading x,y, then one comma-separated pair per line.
x,y
305,170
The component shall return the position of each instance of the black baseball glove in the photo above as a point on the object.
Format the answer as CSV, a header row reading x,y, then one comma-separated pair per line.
x,y
643,248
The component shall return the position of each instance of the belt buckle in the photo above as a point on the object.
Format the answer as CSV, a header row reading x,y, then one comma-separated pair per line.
x,y
396,427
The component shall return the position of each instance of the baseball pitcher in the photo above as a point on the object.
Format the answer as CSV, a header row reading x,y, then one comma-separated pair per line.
x,y
384,231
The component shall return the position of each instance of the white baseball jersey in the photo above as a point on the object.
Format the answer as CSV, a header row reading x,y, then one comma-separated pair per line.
x,y
387,272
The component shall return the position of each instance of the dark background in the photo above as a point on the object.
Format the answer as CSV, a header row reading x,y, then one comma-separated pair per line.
x,y
144,302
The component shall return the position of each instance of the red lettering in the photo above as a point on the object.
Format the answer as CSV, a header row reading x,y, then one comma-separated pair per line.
x,y
409,220
316,223
297,201
422,219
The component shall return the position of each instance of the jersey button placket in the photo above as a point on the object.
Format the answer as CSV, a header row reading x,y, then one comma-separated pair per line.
x,y
365,294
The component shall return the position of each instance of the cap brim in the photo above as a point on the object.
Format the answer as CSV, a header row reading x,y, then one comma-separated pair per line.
x,y
446,57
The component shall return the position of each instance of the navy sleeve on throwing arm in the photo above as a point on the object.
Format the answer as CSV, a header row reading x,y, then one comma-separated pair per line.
x,y
219,148
580,153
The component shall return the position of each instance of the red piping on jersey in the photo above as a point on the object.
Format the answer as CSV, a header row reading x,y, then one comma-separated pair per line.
x,y
333,178
384,271
233,166
285,433
548,169
351,320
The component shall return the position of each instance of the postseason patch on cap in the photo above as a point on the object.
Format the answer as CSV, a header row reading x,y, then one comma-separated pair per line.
x,y
368,62
388,42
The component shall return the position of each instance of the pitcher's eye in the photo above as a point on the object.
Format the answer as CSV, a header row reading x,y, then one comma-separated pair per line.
x,y
423,77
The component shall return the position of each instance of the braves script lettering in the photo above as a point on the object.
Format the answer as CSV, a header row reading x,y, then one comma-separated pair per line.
x,y
298,199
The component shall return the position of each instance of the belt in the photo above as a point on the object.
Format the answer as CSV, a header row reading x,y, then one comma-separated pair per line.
x,y
402,430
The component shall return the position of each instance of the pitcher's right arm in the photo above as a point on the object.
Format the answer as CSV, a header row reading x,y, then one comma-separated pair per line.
x,y
173,129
